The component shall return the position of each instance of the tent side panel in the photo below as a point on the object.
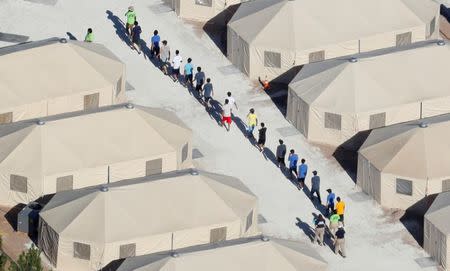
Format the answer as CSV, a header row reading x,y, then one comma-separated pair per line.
x,y
81,178
48,241
238,51
137,168
297,112
76,102
206,234
403,113
435,107
28,111
393,199
368,178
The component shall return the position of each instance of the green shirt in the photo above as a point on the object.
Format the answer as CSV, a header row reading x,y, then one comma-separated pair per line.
x,y
335,218
89,37
131,17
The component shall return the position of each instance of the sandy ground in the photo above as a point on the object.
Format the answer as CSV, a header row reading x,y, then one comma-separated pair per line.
x,y
375,240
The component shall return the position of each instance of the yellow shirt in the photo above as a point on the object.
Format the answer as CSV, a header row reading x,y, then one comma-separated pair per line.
x,y
251,119
340,207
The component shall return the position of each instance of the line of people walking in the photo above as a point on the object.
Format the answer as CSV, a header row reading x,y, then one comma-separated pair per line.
x,y
170,65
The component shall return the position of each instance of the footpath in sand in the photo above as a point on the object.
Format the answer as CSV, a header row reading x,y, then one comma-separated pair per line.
x,y
374,240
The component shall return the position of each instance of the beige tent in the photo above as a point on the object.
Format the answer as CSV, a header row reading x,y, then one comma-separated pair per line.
x,y
247,254
88,228
86,149
331,101
201,10
57,76
401,164
437,230
268,37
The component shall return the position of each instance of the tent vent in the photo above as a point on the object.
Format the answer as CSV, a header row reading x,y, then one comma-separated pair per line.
x,y
194,172
104,188
353,60
441,43
129,106
63,40
174,254
40,122
423,125
265,239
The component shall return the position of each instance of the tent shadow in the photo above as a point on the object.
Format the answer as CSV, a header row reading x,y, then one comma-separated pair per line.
x,y
413,218
346,154
278,91
11,215
216,28
113,266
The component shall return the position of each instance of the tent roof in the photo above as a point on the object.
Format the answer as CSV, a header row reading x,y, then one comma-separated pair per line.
x,y
439,212
378,80
86,140
308,24
54,69
148,206
251,254
408,150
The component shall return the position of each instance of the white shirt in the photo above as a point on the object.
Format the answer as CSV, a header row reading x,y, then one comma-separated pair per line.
x,y
177,61
227,110
231,101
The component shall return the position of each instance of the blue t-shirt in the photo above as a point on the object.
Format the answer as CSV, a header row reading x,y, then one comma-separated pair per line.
x,y
155,40
302,170
137,32
330,198
293,159
188,68
207,89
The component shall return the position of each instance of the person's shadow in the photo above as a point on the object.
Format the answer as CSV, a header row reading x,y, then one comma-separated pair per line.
x,y
119,25
319,207
71,37
214,111
309,232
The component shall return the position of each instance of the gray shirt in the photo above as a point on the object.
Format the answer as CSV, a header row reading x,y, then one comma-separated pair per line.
x,y
165,52
281,150
200,78
207,89
315,182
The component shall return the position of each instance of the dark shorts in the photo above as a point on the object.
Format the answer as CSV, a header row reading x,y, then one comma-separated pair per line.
x,y
207,99
301,180
156,50
136,40
176,71
261,141
293,169
198,87
189,78
280,160
341,218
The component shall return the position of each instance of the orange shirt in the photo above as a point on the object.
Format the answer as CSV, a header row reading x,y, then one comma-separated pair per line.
x,y
340,208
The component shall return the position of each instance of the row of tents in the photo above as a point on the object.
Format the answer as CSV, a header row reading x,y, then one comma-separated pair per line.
x,y
116,179
355,71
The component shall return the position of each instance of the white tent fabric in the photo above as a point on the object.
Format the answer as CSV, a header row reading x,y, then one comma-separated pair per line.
x,y
331,101
60,76
437,230
201,10
93,226
85,149
266,38
246,254
401,164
